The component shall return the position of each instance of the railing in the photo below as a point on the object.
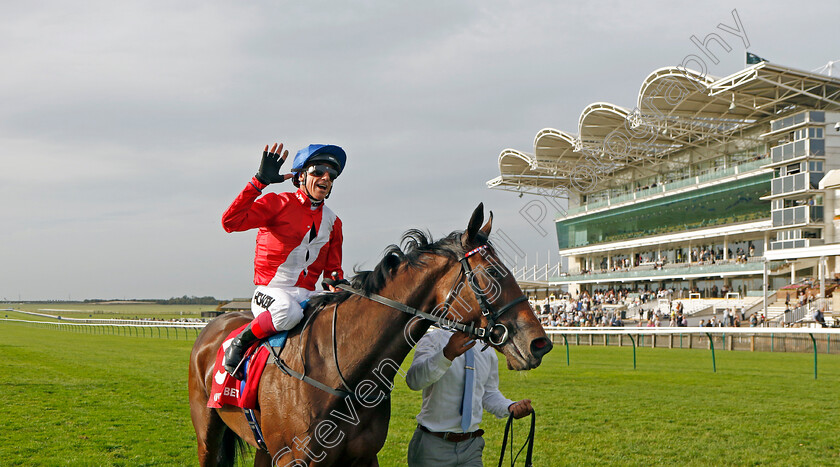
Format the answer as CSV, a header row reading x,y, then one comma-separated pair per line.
x,y
722,338
156,329
668,271
112,321
536,273
804,312
671,185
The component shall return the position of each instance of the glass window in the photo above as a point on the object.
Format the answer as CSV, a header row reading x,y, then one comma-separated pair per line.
x,y
811,234
787,150
819,133
817,147
817,116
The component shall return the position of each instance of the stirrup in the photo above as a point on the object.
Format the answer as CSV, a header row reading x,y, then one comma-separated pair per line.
x,y
237,372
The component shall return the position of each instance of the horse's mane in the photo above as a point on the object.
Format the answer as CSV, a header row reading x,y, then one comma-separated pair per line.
x,y
415,244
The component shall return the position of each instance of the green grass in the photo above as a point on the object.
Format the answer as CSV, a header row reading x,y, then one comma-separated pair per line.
x,y
82,399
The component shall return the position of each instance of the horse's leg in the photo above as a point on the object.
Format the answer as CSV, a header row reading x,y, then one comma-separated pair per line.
x,y
262,459
213,446
209,433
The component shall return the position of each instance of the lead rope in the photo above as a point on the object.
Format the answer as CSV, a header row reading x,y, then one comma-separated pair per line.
x,y
529,442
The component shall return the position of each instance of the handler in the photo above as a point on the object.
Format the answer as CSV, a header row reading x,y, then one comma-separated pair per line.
x,y
458,383
299,239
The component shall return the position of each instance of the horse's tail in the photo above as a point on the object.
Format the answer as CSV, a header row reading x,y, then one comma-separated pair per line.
x,y
231,447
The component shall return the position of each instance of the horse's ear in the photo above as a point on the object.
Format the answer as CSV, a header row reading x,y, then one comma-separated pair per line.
x,y
472,228
489,225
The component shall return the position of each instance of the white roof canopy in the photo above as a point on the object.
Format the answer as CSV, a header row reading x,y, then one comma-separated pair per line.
x,y
676,109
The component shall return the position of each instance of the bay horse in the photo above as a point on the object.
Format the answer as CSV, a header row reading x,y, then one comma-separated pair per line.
x,y
349,340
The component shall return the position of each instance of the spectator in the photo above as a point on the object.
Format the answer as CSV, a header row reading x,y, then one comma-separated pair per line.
x,y
819,317
443,365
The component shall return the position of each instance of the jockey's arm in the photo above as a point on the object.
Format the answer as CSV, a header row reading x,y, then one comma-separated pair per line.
x,y
332,267
247,212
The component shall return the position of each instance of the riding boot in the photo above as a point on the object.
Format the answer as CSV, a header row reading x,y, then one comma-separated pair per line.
x,y
235,352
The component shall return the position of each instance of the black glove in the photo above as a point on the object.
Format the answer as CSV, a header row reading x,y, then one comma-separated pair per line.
x,y
334,283
270,166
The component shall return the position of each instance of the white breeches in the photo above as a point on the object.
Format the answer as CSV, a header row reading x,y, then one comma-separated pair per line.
x,y
282,303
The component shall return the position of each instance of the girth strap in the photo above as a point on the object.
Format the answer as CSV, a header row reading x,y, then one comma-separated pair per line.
x,y
255,427
306,379
285,368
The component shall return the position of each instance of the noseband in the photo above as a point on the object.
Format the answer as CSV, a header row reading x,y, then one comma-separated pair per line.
x,y
489,333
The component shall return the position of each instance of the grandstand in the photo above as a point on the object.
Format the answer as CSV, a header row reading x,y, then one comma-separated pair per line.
x,y
707,186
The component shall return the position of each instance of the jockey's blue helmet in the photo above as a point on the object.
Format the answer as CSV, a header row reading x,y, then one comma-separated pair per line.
x,y
315,153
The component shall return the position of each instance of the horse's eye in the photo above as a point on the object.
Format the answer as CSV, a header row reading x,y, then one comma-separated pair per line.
x,y
494,273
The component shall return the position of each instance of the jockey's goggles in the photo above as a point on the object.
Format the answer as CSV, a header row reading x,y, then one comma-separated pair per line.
x,y
320,169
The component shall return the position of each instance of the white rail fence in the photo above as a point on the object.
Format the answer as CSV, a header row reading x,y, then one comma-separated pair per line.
x,y
137,328
816,340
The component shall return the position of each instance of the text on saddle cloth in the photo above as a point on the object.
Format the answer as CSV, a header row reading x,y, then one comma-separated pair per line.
x,y
226,389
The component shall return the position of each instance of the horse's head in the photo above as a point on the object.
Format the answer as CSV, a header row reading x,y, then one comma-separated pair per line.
x,y
486,293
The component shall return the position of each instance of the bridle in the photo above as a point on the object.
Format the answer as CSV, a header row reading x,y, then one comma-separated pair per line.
x,y
494,333
488,333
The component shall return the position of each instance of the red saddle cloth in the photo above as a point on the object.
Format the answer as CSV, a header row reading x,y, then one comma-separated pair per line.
x,y
228,390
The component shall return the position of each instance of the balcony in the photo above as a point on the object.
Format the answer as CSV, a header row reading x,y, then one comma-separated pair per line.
x,y
694,181
797,215
798,243
789,184
795,120
675,271
795,149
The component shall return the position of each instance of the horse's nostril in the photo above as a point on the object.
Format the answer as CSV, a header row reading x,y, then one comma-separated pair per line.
x,y
540,346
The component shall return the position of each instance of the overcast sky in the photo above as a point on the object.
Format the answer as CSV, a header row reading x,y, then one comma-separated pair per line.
x,y
126,128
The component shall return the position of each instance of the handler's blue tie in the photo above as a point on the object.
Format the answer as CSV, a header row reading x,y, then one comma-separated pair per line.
x,y
466,403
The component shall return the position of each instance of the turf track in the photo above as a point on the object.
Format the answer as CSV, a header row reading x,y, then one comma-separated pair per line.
x,y
82,399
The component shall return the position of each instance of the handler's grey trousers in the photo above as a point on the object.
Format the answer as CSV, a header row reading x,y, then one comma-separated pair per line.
x,y
425,450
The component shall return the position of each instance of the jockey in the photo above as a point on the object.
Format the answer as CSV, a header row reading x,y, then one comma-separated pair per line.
x,y
299,239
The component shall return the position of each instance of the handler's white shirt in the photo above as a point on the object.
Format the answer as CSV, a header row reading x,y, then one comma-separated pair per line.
x,y
442,383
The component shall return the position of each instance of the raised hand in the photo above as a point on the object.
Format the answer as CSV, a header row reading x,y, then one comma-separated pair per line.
x,y
270,165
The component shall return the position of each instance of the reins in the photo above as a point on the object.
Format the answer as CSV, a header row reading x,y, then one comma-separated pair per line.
x,y
485,334
529,442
